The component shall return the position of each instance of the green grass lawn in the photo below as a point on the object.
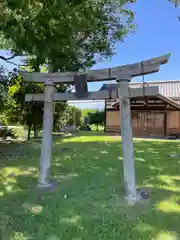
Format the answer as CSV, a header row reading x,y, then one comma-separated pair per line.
x,y
88,201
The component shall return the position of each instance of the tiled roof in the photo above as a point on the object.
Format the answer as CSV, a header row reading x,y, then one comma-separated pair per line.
x,y
167,88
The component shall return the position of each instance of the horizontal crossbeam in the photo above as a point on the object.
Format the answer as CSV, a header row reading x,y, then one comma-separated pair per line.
x,y
99,95
136,69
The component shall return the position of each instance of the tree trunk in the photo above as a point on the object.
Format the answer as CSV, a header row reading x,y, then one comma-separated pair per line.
x,y
35,131
29,131
97,127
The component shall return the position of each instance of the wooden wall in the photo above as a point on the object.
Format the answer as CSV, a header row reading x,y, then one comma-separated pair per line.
x,y
173,122
112,121
145,123
148,124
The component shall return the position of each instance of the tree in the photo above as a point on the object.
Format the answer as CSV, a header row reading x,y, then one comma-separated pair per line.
x,y
66,34
74,116
29,113
67,38
176,2
96,118
71,116
17,110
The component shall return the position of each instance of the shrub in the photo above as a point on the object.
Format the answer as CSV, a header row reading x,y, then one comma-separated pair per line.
x,y
6,132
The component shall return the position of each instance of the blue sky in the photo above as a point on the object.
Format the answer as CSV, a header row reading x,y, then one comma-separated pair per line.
x,y
157,33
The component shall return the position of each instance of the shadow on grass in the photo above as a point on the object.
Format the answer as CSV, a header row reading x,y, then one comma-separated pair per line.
x,y
82,133
88,203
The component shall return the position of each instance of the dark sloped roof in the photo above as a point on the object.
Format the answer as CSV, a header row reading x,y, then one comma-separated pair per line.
x,y
169,89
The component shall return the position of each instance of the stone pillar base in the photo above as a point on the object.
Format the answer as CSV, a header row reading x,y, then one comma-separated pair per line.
x,y
47,185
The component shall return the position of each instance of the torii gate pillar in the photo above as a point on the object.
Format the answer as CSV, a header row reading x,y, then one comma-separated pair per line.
x,y
127,140
46,149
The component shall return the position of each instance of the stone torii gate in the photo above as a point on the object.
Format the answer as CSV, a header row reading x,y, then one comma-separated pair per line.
x,y
122,75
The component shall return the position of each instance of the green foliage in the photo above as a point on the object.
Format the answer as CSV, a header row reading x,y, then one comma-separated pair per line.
x,y
6,132
71,116
17,109
29,113
86,112
66,34
176,2
63,35
96,118
75,116
59,111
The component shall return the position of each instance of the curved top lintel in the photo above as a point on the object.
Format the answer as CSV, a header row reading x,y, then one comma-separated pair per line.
x,y
149,66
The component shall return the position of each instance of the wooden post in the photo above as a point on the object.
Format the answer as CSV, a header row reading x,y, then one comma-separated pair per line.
x,y
165,123
46,150
127,140
105,107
